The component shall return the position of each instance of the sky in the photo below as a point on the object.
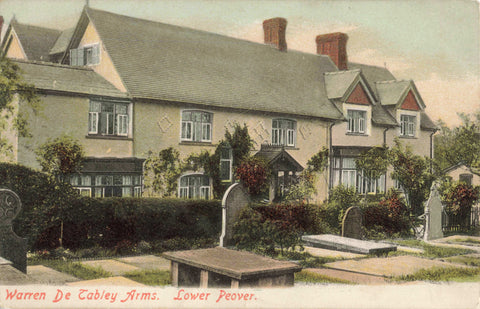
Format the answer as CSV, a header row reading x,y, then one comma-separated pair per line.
x,y
434,43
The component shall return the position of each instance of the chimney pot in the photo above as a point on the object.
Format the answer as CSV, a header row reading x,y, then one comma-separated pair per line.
x,y
335,46
274,32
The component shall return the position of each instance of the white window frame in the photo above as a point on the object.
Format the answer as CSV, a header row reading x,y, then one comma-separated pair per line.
x,y
184,191
205,127
282,134
121,121
93,125
122,124
83,189
356,125
408,125
229,160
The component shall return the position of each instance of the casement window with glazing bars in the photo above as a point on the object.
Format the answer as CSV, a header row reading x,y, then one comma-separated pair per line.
x,y
356,121
284,132
408,125
196,126
107,118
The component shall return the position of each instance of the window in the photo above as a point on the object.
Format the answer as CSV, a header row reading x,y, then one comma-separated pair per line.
x,y
408,125
356,121
196,126
107,118
226,163
346,173
195,186
107,185
88,55
284,132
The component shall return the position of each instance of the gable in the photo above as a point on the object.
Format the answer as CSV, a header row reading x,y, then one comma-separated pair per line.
x,y
359,96
13,48
410,103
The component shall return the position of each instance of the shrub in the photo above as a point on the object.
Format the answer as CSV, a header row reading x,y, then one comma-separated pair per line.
x,y
264,227
121,223
254,174
340,199
459,198
41,198
388,217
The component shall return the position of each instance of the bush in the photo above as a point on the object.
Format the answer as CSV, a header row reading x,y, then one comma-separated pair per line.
x,y
264,227
340,199
459,198
254,174
121,223
387,217
41,198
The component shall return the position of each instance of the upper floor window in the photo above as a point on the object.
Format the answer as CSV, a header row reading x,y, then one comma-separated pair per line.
x,y
196,126
356,121
284,132
408,125
87,55
195,186
107,118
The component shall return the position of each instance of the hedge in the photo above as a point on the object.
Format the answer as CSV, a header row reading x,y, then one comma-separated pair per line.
x,y
112,222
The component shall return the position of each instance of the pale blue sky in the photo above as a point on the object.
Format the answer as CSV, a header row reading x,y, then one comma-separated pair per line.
x,y
435,43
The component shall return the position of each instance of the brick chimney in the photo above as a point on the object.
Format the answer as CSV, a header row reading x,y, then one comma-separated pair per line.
x,y
335,46
274,32
1,25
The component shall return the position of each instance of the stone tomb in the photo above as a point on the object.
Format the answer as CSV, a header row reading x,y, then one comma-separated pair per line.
x,y
334,242
12,247
352,223
221,267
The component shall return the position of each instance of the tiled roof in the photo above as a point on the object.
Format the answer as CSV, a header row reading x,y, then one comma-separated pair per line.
x,y
172,63
62,41
48,76
36,41
426,123
337,83
390,92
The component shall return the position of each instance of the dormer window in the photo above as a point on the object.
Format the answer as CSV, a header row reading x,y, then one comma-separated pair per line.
x,y
86,55
357,120
408,125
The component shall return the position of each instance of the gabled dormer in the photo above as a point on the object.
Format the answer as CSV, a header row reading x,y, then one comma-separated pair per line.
x,y
86,48
28,42
404,102
351,93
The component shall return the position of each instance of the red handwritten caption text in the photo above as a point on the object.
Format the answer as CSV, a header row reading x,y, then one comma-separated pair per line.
x,y
112,296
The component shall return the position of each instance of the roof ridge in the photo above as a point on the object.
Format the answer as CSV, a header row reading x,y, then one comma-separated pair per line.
x,y
35,26
342,72
51,64
393,81
202,31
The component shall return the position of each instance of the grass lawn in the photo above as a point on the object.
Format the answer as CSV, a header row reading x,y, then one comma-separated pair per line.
x,y
429,251
150,277
467,240
75,269
443,274
308,277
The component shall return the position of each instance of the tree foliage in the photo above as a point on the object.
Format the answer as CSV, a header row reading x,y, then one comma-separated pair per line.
x,y
459,198
254,173
12,86
162,171
60,156
459,144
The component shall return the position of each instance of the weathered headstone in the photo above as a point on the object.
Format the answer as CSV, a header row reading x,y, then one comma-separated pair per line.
x,y
12,247
433,215
352,223
234,200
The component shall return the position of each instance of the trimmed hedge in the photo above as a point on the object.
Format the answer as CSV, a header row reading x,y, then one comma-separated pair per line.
x,y
122,222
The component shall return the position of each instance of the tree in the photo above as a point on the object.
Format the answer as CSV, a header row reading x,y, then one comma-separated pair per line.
x,y
459,198
60,157
414,175
460,144
12,86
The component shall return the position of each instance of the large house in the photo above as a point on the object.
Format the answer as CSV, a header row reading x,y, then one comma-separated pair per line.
x,y
125,86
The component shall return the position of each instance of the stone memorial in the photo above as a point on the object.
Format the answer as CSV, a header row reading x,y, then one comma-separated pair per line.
x,y
12,247
234,200
345,244
352,223
433,215
221,267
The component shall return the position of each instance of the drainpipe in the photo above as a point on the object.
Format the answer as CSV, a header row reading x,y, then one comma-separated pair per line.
x,y
431,149
330,155
385,145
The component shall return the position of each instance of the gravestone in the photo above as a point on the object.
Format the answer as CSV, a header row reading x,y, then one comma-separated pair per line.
x,y
234,200
352,223
433,215
12,247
